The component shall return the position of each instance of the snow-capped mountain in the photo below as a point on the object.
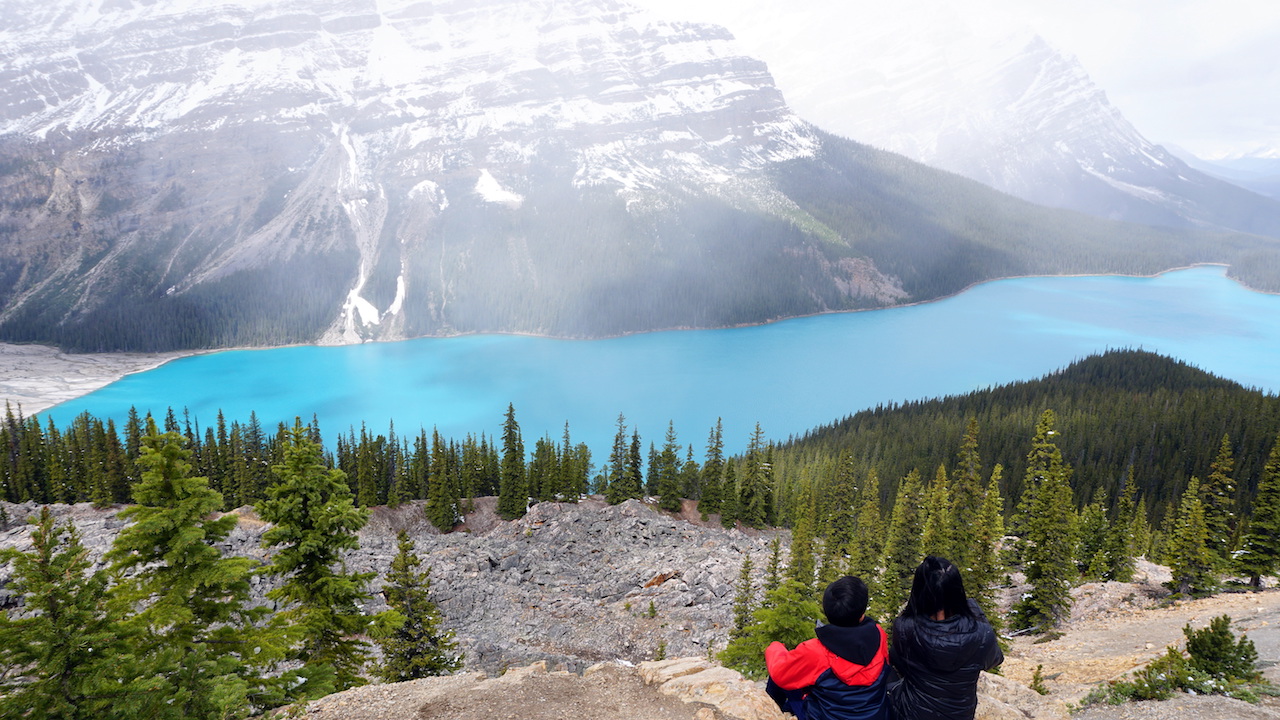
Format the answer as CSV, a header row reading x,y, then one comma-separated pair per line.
x,y
1005,108
243,134
272,171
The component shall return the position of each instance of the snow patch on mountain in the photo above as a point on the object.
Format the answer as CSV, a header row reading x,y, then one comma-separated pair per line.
x,y
488,188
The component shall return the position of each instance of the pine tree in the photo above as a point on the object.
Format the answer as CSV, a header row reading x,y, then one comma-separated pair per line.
x,y
1091,533
419,647
1048,563
68,658
513,494
865,547
773,571
788,615
800,569
634,473
901,548
190,601
668,471
1260,555
967,492
315,522
1218,494
615,490
939,528
985,570
1191,562
753,496
1119,548
842,505
744,600
712,470
442,501
729,495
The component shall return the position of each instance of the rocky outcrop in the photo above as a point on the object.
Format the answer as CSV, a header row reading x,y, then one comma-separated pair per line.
x,y
704,691
571,584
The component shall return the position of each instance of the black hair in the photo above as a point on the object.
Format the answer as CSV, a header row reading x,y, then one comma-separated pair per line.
x,y
845,601
937,586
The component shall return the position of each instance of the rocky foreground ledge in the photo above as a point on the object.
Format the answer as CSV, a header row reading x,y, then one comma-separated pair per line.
x,y
678,689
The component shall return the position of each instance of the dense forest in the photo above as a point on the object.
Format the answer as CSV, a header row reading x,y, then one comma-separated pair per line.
x,y
1065,479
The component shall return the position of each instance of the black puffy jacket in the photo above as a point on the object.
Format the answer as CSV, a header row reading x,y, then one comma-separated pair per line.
x,y
939,662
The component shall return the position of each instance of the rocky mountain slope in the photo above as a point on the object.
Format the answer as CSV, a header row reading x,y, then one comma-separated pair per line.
x,y
275,171
573,584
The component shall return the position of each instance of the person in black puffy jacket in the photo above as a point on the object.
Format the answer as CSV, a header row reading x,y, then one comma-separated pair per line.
x,y
941,643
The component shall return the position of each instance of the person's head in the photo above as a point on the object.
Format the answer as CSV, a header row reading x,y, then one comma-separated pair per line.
x,y
937,587
845,601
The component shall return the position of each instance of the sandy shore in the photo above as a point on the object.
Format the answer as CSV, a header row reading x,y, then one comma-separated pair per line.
x,y
37,377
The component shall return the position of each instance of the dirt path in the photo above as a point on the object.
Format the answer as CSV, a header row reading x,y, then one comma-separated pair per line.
x,y
1119,628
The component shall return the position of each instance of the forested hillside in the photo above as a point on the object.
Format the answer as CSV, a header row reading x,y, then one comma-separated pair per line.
x,y
1124,409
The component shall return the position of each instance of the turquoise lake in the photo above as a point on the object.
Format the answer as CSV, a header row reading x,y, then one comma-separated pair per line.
x,y
788,376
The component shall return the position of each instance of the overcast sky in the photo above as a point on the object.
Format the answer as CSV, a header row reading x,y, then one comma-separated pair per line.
x,y
1201,74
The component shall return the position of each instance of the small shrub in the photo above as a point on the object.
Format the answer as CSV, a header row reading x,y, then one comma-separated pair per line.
x,y
1037,681
1216,652
1218,665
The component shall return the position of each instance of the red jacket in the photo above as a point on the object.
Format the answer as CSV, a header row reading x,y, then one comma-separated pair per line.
x,y
843,670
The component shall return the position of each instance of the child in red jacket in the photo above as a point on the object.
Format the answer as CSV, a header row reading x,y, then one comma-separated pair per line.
x,y
840,674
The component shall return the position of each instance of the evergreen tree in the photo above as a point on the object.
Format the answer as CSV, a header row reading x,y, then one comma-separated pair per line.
x,y
729,495
939,528
191,618
744,600
967,493
1119,548
985,570
1218,494
773,571
788,615
1191,562
690,475
1260,555
513,494
842,504
616,490
800,569
1091,533
865,547
753,496
667,482
67,659
1048,563
442,501
712,470
315,522
419,647
634,472
901,548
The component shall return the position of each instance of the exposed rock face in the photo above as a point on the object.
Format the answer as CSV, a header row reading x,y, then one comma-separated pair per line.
x,y
573,584
604,690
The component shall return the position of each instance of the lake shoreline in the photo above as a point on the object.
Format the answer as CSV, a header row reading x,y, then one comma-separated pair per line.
x,y
34,378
